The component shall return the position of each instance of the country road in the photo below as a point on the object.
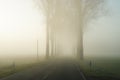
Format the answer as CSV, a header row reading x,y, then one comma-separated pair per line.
x,y
64,69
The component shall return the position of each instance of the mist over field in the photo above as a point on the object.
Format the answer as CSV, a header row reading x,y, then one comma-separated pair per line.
x,y
22,26
59,39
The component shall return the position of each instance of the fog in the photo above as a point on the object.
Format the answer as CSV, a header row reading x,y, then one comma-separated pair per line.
x,y
102,36
21,25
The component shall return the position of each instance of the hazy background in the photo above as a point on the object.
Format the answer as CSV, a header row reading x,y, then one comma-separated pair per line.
x,y
21,25
102,37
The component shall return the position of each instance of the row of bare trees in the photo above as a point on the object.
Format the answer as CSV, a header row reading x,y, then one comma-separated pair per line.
x,y
77,12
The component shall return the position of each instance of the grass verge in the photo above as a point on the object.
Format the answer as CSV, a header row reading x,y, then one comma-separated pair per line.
x,y
101,68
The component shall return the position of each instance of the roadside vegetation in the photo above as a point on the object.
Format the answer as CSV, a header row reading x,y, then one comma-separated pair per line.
x,y
9,69
101,68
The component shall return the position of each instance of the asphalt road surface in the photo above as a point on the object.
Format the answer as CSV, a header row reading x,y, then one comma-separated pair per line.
x,y
64,69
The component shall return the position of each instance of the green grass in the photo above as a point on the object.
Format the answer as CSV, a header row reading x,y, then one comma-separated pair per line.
x,y
101,67
9,69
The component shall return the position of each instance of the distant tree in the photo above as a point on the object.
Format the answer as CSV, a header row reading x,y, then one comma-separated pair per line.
x,y
74,12
48,8
87,10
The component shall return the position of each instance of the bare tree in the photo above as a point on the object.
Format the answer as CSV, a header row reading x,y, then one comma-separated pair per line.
x,y
79,12
48,8
87,10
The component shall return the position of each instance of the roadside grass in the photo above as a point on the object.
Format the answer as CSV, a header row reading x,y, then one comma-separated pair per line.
x,y
12,69
102,68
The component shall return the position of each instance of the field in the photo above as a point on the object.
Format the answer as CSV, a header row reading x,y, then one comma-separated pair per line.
x,y
8,67
104,68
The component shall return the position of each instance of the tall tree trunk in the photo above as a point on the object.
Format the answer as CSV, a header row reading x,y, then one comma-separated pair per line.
x,y
47,46
80,43
52,43
47,39
80,46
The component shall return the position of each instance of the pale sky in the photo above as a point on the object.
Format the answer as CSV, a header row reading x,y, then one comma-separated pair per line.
x,y
21,24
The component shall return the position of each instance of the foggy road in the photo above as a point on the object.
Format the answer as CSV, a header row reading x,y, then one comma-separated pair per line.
x,y
51,70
